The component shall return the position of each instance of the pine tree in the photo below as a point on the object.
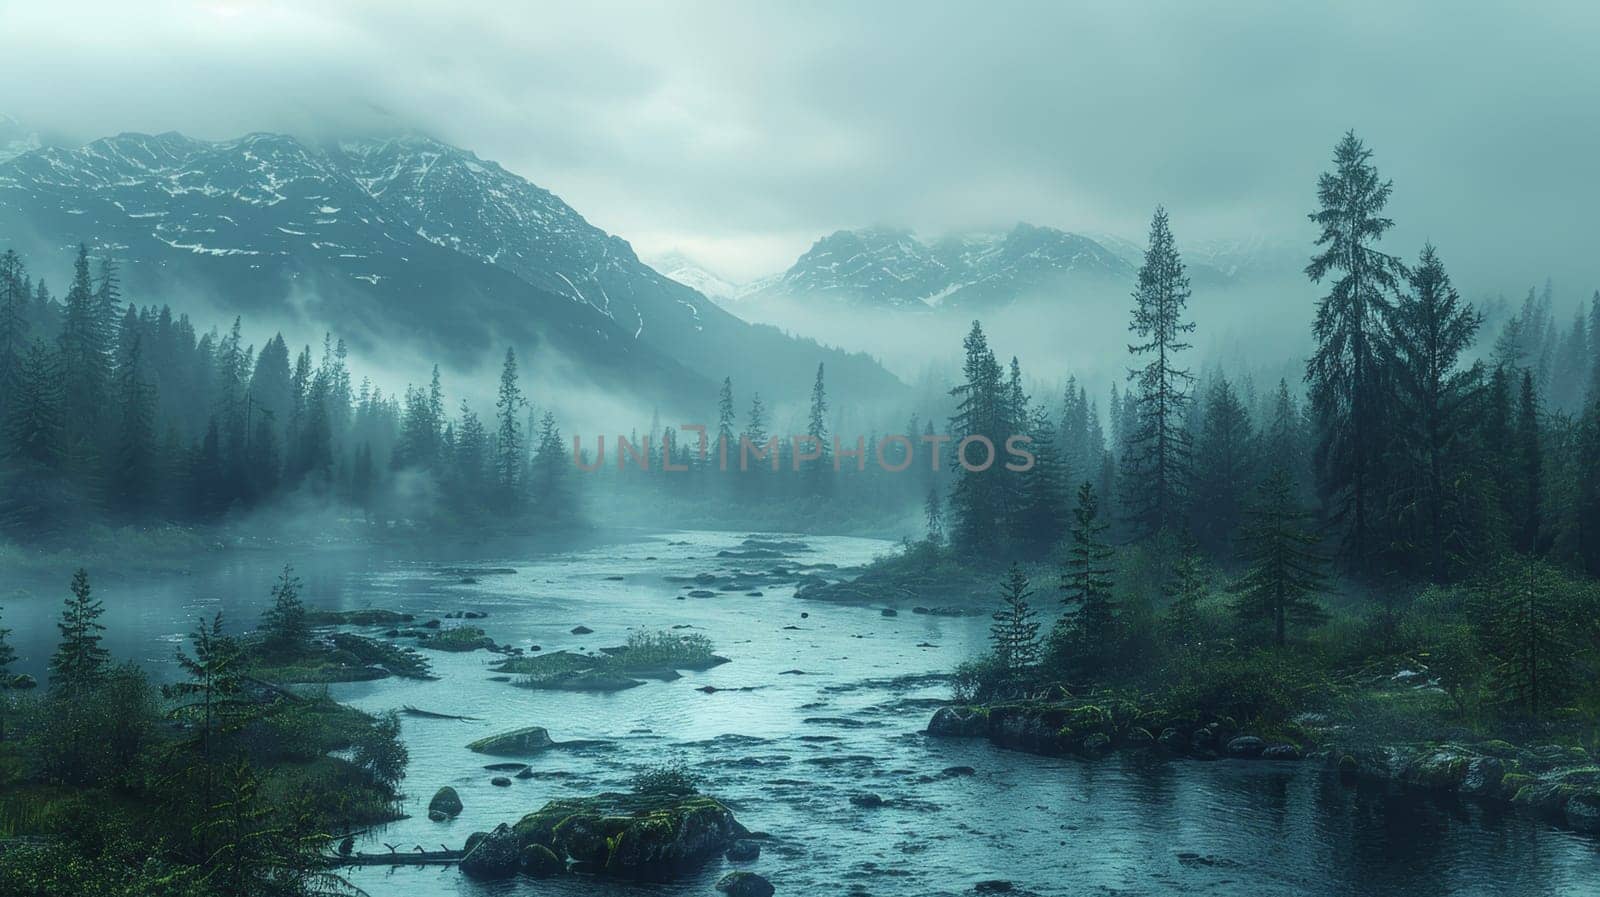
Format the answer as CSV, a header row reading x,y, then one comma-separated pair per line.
x,y
15,324
1283,439
1529,471
1347,370
1086,586
80,663
472,448
211,699
1586,536
1526,620
1432,328
508,436
34,429
1045,507
1592,392
1284,573
1156,461
284,626
817,427
727,442
1185,588
133,457
551,495
84,363
933,516
977,503
1015,633
1225,468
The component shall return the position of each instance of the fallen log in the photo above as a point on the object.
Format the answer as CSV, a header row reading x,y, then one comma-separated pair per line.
x,y
409,710
415,858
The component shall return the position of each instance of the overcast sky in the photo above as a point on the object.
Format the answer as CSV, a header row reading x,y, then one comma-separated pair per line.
x,y
740,132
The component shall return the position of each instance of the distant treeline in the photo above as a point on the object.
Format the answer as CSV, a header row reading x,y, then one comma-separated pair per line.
x,y
110,409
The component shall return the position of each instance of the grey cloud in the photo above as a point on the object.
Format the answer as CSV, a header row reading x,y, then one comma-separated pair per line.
x,y
742,131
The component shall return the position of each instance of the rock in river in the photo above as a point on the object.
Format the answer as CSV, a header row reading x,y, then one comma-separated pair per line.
x,y
539,861
445,801
633,835
494,855
1246,746
744,851
958,722
744,884
516,743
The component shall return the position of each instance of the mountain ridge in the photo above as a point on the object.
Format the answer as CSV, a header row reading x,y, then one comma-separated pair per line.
x,y
398,237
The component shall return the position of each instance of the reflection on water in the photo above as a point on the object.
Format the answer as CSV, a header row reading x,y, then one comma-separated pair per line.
x,y
837,699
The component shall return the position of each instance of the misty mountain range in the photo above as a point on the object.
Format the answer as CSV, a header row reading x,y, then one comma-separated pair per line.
x,y
885,268
405,239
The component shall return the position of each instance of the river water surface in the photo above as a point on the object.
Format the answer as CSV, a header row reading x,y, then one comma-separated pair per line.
x,y
819,703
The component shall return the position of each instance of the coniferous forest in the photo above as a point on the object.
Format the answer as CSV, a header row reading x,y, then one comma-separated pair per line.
x,y
987,466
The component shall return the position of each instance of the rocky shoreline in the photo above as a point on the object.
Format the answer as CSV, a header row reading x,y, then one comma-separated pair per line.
x,y
1560,784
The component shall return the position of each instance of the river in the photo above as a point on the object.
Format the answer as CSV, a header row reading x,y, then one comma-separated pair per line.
x,y
818,703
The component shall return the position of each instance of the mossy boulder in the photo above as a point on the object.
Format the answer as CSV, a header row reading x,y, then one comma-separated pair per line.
x,y
639,836
497,854
959,722
516,743
1443,768
744,884
1483,776
445,801
1582,812
539,861
1548,798
1513,782
1246,746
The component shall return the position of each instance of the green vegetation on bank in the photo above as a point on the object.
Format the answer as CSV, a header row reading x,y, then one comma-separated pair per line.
x,y
217,784
1409,552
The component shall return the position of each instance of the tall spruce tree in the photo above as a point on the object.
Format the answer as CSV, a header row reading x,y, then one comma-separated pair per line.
x,y
1045,508
1528,620
1529,470
16,321
1091,635
1015,632
1432,329
1184,589
1156,462
1225,468
1284,575
133,463
727,440
508,434
286,631
1347,371
817,428
84,364
80,662
977,503
34,429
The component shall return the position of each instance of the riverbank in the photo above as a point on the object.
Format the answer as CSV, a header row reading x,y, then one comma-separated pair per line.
x,y
1559,783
